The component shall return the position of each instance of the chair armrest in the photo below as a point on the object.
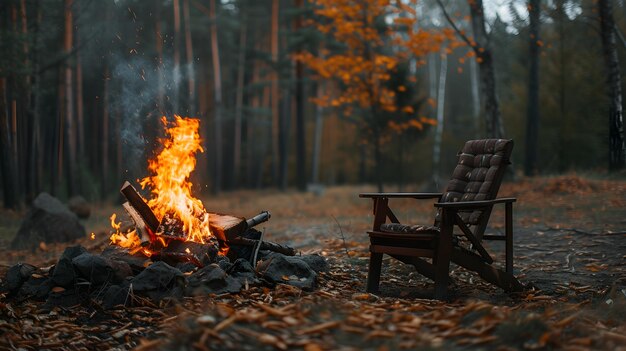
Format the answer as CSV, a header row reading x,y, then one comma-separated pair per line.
x,y
401,195
469,205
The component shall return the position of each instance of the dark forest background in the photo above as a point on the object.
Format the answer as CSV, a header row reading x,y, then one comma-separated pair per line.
x,y
83,85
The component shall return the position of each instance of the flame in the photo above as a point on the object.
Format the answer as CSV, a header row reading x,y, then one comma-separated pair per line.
x,y
128,240
170,186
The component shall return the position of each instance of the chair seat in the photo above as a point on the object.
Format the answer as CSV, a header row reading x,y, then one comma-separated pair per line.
x,y
410,240
409,229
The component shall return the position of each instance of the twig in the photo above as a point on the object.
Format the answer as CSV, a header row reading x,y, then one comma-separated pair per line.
x,y
343,238
256,248
129,293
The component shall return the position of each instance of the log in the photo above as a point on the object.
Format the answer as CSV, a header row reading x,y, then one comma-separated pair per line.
x,y
227,227
189,251
264,245
142,208
140,224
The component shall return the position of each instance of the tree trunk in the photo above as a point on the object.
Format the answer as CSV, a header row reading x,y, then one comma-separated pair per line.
x,y
532,116
105,134
80,122
34,156
251,143
275,91
441,100
72,187
217,81
493,118
191,82
432,76
27,127
241,73
158,38
176,76
300,120
283,142
317,137
475,97
378,159
617,153
8,176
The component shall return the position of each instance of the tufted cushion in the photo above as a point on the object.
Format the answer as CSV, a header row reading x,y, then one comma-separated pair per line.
x,y
409,229
478,174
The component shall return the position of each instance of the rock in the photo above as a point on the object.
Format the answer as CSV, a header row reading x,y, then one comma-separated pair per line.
x,y
186,267
115,295
158,281
292,270
47,221
63,274
16,276
79,206
64,298
99,270
72,252
137,263
36,288
243,270
316,262
212,279
223,262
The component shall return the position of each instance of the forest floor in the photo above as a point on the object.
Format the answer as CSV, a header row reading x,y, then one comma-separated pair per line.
x,y
570,245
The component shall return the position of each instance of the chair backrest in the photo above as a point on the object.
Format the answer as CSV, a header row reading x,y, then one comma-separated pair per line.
x,y
478,174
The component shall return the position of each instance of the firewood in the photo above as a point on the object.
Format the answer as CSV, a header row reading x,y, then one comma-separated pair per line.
x,y
140,225
264,245
142,208
227,228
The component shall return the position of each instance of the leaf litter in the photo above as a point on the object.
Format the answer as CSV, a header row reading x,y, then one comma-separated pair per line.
x,y
574,264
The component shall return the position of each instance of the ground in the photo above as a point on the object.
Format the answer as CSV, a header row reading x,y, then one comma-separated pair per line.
x,y
570,249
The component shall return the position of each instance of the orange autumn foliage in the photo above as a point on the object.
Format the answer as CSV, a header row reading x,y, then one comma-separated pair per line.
x,y
375,36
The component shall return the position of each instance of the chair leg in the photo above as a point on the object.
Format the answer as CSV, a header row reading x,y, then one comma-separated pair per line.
x,y
373,275
508,220
444,251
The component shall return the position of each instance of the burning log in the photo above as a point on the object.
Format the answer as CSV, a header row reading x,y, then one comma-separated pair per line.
x,y
140,225
166,239
141,207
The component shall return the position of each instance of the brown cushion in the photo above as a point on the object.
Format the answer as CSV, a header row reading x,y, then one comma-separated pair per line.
x,y
478,174
409,229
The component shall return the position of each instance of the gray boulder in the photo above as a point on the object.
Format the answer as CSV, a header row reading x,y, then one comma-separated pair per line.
x,y
49,221
80,206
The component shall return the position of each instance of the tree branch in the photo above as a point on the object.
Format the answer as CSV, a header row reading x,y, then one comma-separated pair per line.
x,y
454,26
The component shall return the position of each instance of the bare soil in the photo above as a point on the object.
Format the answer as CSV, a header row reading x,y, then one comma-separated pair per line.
x,y
570,247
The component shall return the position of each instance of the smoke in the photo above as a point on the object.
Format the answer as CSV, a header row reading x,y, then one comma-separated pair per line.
x,y
142,92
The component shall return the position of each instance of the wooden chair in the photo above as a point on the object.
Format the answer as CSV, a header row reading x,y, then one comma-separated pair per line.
x,y
466,204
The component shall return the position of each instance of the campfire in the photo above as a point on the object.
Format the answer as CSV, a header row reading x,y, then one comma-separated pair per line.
x,y
171,245
173,225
